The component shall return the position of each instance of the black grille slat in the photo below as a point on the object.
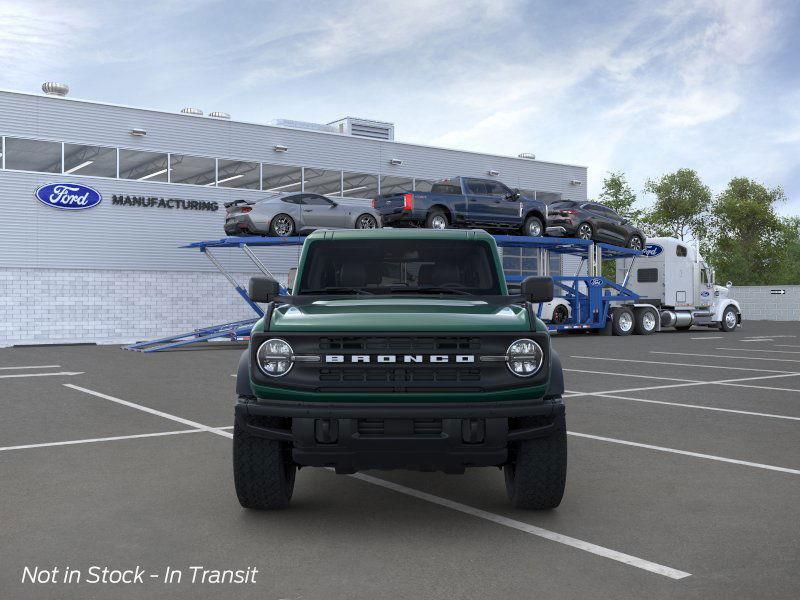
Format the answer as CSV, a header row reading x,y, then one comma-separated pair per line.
x,y
418,427
397,345
377,374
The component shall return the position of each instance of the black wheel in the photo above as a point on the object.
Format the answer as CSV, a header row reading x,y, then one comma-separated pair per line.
x,y
584,231
622,322
366,221
645,321
533,227
281,226
263,471
560,314
729,319
537,472
635,243
437,219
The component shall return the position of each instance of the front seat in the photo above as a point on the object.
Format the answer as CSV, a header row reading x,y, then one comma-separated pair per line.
x,y
353,275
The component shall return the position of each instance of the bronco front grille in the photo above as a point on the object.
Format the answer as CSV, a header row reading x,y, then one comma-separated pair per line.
x,y
395,375
399,344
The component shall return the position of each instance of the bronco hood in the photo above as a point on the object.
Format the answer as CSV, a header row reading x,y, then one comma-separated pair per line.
x,y
401,314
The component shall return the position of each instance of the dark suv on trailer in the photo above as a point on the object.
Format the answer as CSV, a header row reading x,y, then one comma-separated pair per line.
x,y
593,221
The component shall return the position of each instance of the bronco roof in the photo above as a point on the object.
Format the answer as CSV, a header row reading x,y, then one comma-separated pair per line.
x,y
402,234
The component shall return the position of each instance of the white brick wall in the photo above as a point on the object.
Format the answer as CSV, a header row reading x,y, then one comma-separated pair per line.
x,y
758,303
46,306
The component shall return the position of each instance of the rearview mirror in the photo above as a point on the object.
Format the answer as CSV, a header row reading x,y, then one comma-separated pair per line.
x,y
263,289
537,289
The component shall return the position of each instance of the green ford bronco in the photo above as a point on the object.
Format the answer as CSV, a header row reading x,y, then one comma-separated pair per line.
x,y
400,349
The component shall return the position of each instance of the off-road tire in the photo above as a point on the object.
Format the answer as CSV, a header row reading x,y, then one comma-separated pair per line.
x,y
724,324
436,213
641,325
536,475
263,471
530,223
620,324
276,219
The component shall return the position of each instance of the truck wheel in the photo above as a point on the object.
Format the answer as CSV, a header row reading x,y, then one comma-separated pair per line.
x,y
645,323
281,226
622,322
729,319
535,479
436,219
533,227
263,471
560,314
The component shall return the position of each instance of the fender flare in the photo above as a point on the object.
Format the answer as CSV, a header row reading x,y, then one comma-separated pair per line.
x,y
555,388
243,376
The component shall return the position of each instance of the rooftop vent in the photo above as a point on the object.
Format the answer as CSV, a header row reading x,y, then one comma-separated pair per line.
x,y
192,111
527,155
219,115
51,88
377,130
303,125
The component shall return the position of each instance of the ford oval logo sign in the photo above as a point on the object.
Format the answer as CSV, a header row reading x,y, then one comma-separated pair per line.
x,y
68,196
595,282
652,250
705,294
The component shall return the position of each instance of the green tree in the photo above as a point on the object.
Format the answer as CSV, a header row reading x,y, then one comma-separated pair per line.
x,y
681,205
750,243
618,195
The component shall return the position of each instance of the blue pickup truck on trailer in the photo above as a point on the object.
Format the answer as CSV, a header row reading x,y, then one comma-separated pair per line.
x,y
465,202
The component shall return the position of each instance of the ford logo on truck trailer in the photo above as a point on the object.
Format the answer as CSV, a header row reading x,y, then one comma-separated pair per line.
x,y
652,250
68,196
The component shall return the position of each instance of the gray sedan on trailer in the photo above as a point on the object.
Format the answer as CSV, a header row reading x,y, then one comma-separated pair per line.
x,y
286,214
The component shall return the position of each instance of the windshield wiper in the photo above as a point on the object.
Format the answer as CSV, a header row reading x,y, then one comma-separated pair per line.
x,y
432,290
337,290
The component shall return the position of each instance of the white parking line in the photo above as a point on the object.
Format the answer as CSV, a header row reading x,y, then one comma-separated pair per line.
x,y
787,346
759,350
757,340
708,337
794,360
65,373
152,411
632,375
674,364
31,367
686,453
519,525
104,439
698,406
633,561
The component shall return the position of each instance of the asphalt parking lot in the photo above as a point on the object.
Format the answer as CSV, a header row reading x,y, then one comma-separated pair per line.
x,y
684,479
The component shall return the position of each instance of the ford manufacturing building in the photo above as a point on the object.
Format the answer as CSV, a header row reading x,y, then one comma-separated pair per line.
x,y
117,272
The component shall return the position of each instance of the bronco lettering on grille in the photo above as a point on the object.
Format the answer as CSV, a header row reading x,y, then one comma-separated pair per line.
x,y
399,358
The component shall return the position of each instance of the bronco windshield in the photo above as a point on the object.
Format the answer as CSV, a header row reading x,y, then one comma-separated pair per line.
x,y
382,266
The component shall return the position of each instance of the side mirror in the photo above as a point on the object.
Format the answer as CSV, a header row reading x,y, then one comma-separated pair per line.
x,y
291,277
537,289
334,204
729,285
263,289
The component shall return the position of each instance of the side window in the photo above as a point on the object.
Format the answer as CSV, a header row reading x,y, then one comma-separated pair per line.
x,y
647,275
292,200
704,276
495,188
315,200
681,250
476,186
445,188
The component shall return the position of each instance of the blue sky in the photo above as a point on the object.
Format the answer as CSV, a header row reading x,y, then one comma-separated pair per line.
x,y
641,87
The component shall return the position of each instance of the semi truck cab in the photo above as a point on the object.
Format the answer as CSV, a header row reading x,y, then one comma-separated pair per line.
x,y
672,276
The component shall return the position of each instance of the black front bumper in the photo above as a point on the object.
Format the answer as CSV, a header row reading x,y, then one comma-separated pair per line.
x,y
442,437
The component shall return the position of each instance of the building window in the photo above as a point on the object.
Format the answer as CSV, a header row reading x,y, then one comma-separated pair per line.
x,y
33,155
359,185
237,174
194,170
396,185
96,161
143,166
320,181
280,178
423,185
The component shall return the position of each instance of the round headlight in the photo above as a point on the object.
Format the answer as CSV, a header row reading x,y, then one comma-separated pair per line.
x,y
275,357
524,357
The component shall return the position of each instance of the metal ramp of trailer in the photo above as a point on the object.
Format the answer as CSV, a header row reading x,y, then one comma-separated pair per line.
x,y
590,306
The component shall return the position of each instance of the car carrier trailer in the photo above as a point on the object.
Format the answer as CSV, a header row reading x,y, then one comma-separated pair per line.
x,y
628,305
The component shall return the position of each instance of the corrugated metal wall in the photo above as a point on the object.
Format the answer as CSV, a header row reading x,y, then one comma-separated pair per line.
x,y
125,237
